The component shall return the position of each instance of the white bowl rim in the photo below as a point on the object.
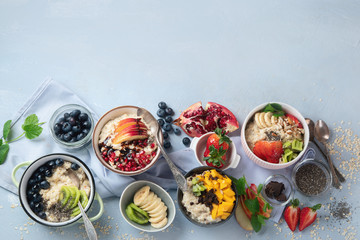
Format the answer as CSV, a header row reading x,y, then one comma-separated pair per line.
x,y
161,189
275,165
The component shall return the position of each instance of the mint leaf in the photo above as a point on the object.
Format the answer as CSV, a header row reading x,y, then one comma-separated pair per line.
x,y
239,185
269,108
32,131
276,106
252,205
0,141
255,223
259,188
31,120
261,219
6,130
4,149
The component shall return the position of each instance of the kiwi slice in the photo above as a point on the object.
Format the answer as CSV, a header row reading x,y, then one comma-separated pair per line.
x,y
136,216
83,198
76,198
139,210
65,195
76,211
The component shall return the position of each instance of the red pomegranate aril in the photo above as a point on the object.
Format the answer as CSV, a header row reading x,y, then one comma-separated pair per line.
x,y
140,161
152,145
133,155
153,154
147,161
133,169
127,169
143,165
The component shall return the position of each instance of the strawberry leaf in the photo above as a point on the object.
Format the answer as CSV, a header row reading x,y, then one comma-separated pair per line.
x,y
4,149
259,188
32,131
6,129
31,120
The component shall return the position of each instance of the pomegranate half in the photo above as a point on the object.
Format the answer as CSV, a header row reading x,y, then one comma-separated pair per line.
x,y
196,121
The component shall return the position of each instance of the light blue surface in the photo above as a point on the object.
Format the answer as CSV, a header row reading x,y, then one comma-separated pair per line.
x,y
237,53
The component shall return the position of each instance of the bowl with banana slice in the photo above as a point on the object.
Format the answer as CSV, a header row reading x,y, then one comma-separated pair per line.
x,y
274,135
147,206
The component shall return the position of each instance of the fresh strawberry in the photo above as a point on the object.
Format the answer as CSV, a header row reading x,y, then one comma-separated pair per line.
x,y
292,214
293,119
270,151
308,216
216,148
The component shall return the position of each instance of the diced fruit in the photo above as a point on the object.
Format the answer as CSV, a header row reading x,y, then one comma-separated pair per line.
x,y
292,214
308,216
293,120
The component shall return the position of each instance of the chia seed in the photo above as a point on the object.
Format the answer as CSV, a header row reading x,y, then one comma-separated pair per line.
x,y
310,179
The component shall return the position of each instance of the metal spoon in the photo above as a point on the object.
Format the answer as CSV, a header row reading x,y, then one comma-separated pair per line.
x,y
89,227
322,134
311,126
179,178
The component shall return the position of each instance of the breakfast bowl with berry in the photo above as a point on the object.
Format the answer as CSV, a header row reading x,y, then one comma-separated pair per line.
x,y
71,126
123,142
51,188
215,149
274,135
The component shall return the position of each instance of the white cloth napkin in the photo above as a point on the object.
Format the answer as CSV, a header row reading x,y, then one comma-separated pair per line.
x,y
52,95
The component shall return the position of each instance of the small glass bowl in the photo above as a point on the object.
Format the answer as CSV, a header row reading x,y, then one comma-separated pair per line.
x,y
60,113
319,164
288,191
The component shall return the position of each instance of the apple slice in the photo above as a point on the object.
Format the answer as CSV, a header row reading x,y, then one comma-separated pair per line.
x,y
242,219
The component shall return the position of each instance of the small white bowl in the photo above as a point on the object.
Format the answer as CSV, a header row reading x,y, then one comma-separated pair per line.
x,y
288,109
198,144
127,198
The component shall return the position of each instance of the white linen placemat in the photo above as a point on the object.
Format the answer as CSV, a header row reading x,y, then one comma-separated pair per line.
x,y
52,95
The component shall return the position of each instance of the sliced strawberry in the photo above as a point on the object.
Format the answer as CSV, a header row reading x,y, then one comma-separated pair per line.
x,y
270,151
308,216
292,214
293,119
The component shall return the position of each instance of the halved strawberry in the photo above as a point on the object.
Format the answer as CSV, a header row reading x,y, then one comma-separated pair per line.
x,y
308,216
293,119
292,214
270,151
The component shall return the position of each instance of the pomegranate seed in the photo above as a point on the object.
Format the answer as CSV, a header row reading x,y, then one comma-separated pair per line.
x,y
148,156
152,145
143,165
133,169
140,161
127,169
133,155
116,159
139,167
153,154
147,161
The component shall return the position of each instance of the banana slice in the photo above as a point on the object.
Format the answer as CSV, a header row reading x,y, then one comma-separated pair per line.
x,y
262,119
153,205
148,200
274,120
160,224
159,213
267,118
158,219
141,195
157,208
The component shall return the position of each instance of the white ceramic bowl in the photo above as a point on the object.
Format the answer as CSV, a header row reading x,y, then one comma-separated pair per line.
x,y
127,198
110,115
288,109
198,144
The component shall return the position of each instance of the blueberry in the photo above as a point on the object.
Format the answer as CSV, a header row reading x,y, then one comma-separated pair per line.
x,y
161,113
83,117
36,197
76,129
36,188
85,131
44,185
59,162
32,205
167,144
40,177
31,182
168,119
73,140
29,193
38,207
74,166
86,124
42,169
161,121
67,137
57,128
169,111
167,127
48,173
75,113
80,136
60,136
66,127
51,164
162,105
166,135
66,116
61,120
186,141
42,215
72,121
177,131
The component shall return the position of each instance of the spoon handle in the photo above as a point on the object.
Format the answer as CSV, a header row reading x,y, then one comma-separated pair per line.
x,y
90,230
338,174
336,182
179,178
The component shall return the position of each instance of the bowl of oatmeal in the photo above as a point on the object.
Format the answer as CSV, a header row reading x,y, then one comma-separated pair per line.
x,y
274,135
123,142
210,199
51,187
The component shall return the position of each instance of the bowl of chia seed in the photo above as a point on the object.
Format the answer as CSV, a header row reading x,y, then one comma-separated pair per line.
x,y
311,177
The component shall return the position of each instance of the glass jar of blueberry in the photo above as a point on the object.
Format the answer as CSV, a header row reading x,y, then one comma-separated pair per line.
x,y
71,126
